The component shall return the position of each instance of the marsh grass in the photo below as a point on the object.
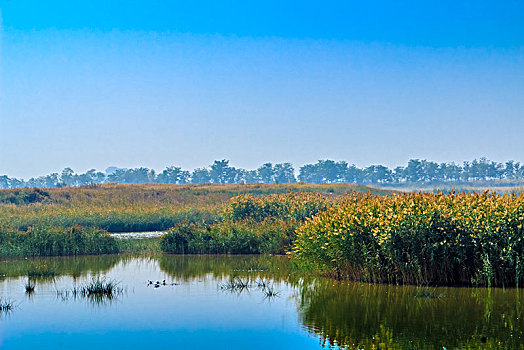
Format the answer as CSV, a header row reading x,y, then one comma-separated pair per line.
x,y
45,240
99,291
29,287
418,238
238,285
428,293
6,306
270,292
41,274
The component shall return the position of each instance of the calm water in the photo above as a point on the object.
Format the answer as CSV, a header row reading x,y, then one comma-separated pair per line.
x,y
198,309
137,235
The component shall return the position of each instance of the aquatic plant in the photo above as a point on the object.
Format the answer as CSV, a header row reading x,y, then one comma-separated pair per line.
x,y
101,286
244,237
296,206
55,241
98,291
6,305
418,238
236,284
41,273
29,287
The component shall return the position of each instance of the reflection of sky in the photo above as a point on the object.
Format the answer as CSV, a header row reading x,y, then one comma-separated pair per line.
x,y
194,314
99,84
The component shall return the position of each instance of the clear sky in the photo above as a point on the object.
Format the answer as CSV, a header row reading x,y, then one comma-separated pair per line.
x,y
89,84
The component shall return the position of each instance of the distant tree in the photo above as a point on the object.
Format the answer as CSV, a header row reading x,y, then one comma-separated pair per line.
x,y
284,173
4,181
308,173
331,171
377,174
449,172
51,180
511,169
200,176
132,176
222,173
251,176
67,177
16,183
173,175
324,171
352,174
90,177
414,171
266,173
97,177
397,174
429,171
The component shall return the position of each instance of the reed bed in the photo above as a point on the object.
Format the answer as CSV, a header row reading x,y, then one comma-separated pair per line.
x,y
6,306
248,225
55,241
454,239
99,290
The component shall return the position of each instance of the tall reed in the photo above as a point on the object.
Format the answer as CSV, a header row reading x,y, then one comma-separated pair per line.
x,y
419,239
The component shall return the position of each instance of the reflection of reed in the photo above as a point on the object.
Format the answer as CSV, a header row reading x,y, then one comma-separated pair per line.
x,y
46,269
29,287
360,316
99,291
6,306
239,285
186,267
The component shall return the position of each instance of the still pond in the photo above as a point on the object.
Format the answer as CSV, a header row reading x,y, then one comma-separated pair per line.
x,y
239,302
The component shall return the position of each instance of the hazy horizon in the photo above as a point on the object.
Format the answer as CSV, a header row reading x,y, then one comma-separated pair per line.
x,y
132,84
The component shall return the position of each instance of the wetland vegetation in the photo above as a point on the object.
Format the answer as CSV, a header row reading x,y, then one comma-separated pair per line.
x,y
339,230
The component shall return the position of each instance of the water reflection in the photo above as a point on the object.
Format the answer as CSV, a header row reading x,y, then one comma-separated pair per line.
x,y
45,269
185,267
170,293
100,291
362,316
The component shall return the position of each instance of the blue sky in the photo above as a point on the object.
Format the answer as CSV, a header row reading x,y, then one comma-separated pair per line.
x,y
89,84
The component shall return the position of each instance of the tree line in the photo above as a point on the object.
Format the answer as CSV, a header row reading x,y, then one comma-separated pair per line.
x,y
324,171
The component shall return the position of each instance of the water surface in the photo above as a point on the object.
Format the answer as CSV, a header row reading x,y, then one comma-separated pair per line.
x,y
196,308
137,235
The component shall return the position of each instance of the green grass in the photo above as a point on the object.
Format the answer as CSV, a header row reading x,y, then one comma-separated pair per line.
x,y
54,241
